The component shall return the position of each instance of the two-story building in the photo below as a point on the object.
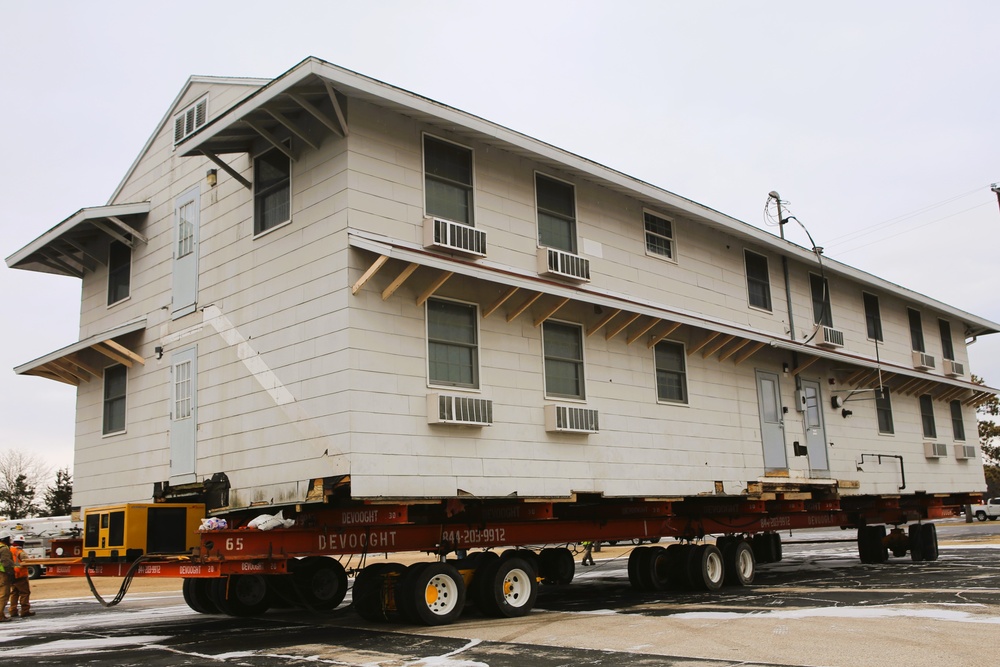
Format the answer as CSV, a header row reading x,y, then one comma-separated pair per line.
x,y
321,277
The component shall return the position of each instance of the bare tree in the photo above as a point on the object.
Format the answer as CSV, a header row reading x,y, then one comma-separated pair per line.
x,y
21,475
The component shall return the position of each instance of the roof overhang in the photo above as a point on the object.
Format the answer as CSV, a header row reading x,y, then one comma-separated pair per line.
x,y
87,358
71,248
640,320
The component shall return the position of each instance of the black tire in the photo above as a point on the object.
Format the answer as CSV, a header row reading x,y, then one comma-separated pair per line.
x,y
321,582
374,591
916,538
634,564
766,547
981,515
187,590
431,594
741,568
929,541
705,567
679,564
35,571
507,588
557,566
527,555
994,518
871,545
241,594
658,568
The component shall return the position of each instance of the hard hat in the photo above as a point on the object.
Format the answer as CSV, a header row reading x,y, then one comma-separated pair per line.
x,y
4,536
18,538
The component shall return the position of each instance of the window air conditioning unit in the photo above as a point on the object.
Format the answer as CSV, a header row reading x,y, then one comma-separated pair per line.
x,y
935,450
965,452
953,368
922,361
554,262
565,419
459,410
830,337
454,236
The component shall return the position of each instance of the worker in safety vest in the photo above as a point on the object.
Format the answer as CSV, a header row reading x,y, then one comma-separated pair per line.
x,y
6,573
20,591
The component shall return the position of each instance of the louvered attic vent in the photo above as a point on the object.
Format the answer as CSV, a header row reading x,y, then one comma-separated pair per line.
x,y
459,410
564,419
189,120
554,262
830,337
454,236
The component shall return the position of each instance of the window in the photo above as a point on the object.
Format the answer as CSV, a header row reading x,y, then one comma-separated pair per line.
x,y
185,229
556,213
873,318
563,349
671,375
820,288
883,410
272,190
119,271
189,120
916,330
447,180
452,343
183,403
957,423
659,235
758,280
927,416
115,383
947,348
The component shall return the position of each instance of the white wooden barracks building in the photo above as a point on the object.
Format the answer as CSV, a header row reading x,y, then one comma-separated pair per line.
x,y
322,275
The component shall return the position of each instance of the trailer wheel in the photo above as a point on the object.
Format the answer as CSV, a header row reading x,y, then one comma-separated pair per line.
x,y
507,588
929,541
35,571
431,594
241,594
915,535
658,569
321,582
198,595
766,547
557,566
634,567
738,561
706,568
374,591
527,555
871,544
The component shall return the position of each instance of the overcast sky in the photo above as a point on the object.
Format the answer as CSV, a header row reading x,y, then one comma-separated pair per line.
x,y
877,121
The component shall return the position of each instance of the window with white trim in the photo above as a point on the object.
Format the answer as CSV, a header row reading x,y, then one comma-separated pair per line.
x,y
659,235
916,330
556,206
883,411
185,229
119,272
115,388
183,393
947,346
448,191
927,416
189,120
873,316
562,347
957,422
671,372
820,288
758,280
272,192
452,343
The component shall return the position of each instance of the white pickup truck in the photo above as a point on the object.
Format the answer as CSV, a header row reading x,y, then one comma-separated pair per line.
x,y
988,510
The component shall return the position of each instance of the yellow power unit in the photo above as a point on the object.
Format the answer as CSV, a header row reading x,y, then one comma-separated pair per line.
x,y
125,532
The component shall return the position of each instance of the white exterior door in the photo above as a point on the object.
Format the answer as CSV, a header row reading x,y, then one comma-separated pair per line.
x,y
187,213
772,421
183,415
819,461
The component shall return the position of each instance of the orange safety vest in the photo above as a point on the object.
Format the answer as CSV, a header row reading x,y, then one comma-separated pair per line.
x,y
20,571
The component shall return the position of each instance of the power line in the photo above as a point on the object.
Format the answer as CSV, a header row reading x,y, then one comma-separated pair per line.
x,y
911,229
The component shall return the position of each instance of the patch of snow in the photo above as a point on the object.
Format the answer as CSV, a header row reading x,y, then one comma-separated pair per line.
x,y
848,612
85,645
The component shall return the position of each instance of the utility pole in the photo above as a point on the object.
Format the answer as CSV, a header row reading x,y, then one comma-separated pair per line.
x,y
784,269
995,187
